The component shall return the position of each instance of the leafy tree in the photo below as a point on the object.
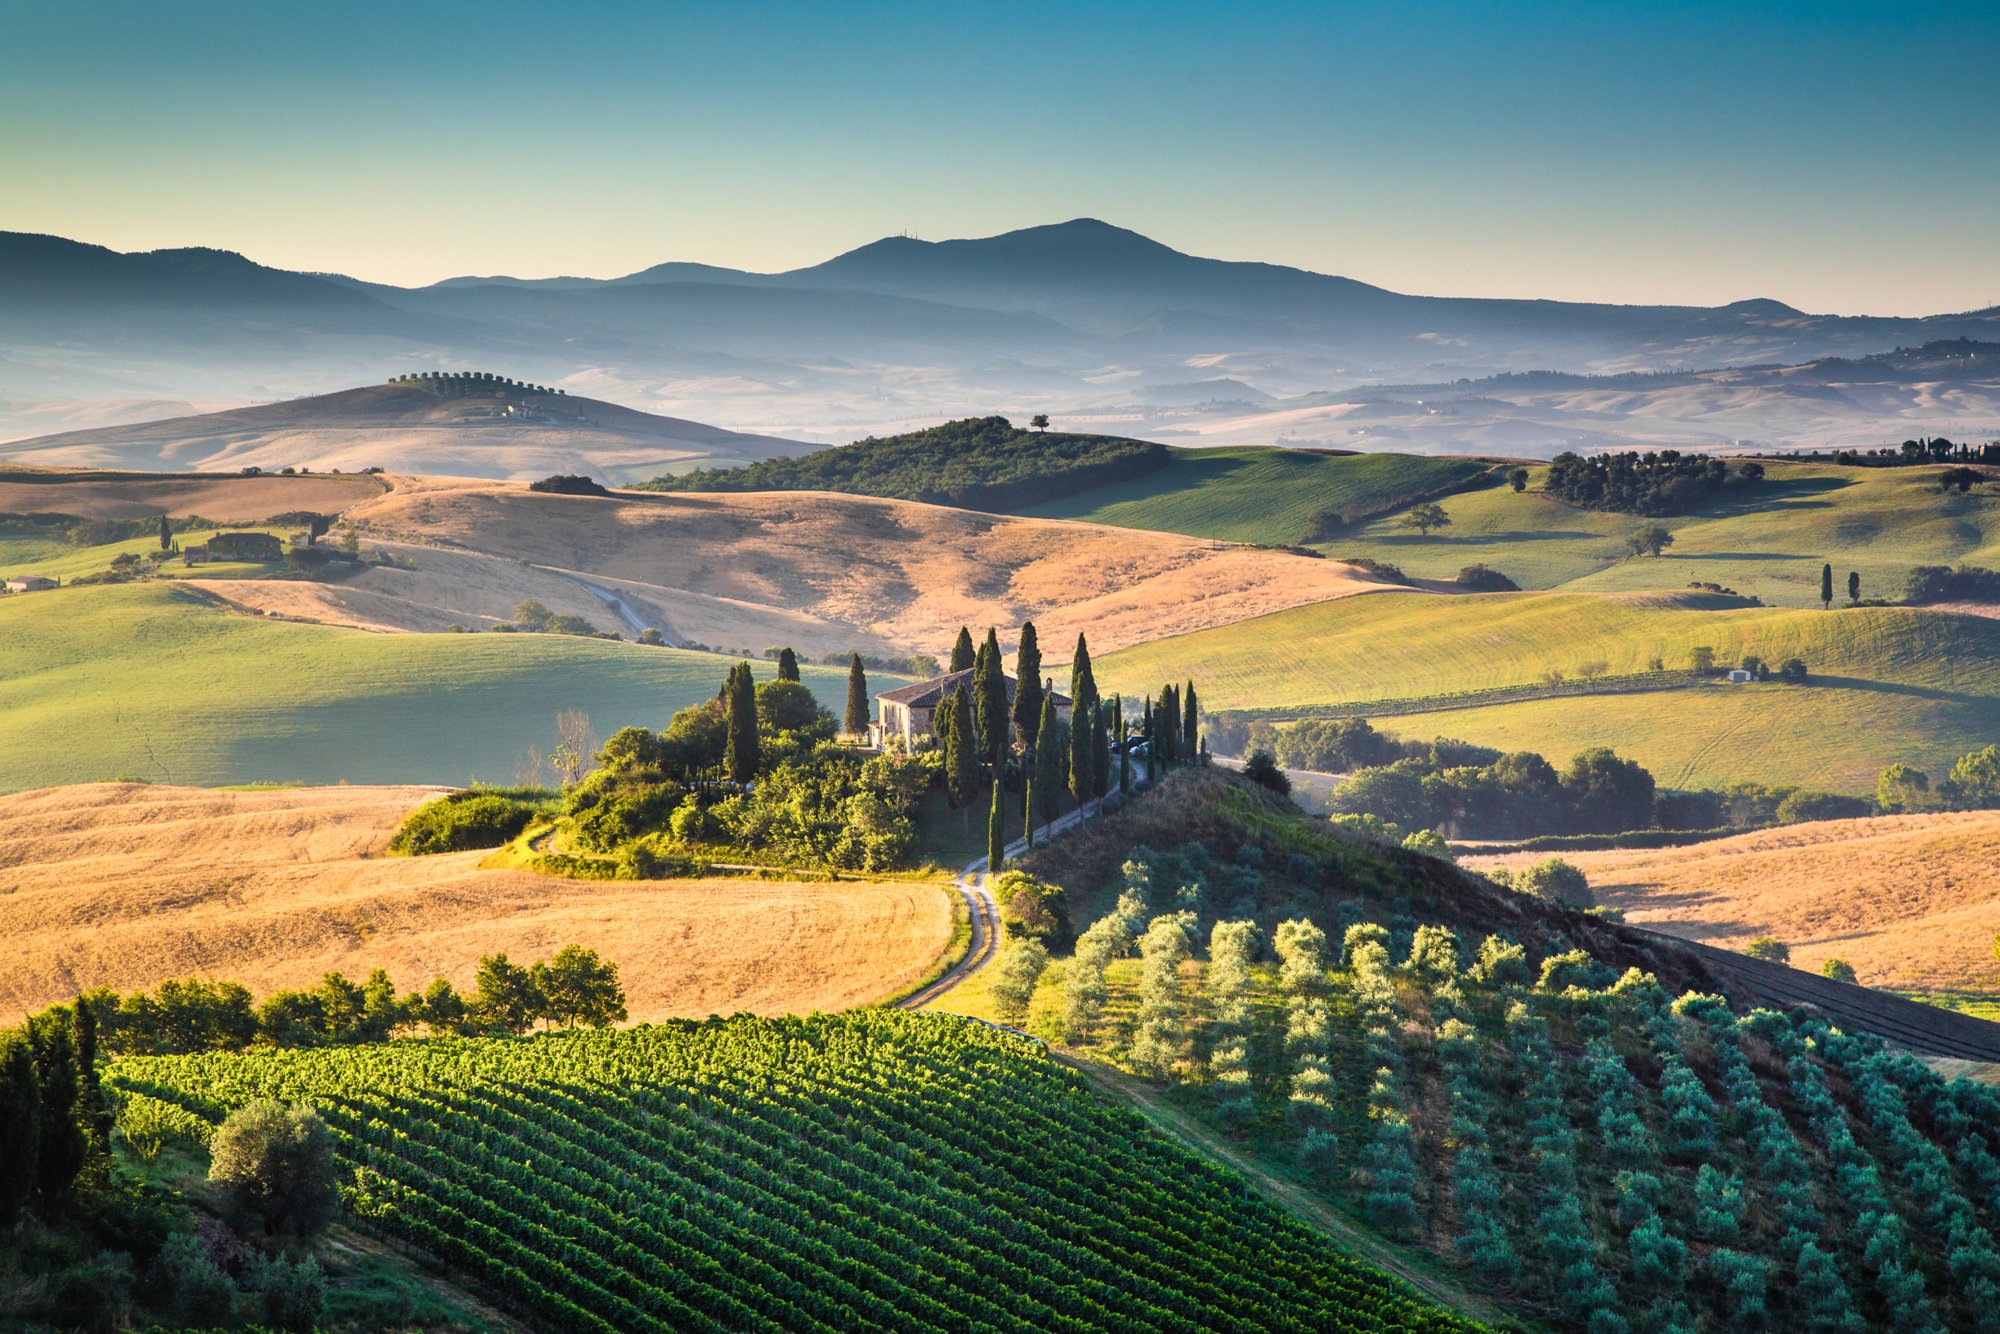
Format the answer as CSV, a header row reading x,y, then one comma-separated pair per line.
x,y
1425,516
504,998
1902,788
1160,1043
274,1165
578,988
1261,769
1701,660
1650,541
1975,779
1607,794
1792,671
1769,949
1826,586
1518,478
788,665
741,757
1018,969
856,721
1556,881
1028,685
1838,970
1040,421
962,656
788,707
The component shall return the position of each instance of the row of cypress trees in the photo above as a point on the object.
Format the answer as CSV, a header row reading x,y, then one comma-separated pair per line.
x,y
52,1117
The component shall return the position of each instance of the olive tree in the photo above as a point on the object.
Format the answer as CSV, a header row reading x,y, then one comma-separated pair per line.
x,y
274,1166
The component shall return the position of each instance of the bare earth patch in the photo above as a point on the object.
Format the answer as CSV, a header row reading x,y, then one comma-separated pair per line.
x,y
125,885
1912,901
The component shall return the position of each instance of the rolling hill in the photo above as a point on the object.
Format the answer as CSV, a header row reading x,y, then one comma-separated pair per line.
x,y
126,886
1887,683
1908,900
405,427
154,681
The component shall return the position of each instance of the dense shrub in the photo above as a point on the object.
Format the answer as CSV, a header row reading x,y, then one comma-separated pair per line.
x,y
1032,909
1941,583
1262,770
1485,579
569,484
977,463
460,821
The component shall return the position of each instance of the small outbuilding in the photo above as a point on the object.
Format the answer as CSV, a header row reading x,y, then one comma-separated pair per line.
x,y
1738,675
32,583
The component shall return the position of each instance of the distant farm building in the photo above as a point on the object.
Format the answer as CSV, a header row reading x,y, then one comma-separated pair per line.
x,y
32,583
1738,675
236,547
906,715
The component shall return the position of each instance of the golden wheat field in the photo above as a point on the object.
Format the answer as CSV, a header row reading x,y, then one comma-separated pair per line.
x,y
125,885
1912,901
821,572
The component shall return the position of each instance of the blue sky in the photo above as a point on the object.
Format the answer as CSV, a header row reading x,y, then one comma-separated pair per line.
x,y
1839,157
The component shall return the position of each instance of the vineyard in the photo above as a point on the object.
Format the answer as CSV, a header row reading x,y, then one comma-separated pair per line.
x,y
1576,1141
858,1171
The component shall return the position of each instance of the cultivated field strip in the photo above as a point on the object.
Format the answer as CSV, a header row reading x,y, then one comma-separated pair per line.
x,y
872,1170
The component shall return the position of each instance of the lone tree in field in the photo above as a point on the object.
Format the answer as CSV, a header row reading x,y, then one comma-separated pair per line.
x,y
577,987
166,534
1518,479
1040,421
1649,541
1426,516
961,653
1826,587
740,757
575,744
1854,585
1028,686
274,1165
1082,731
788,665
996,830
856,721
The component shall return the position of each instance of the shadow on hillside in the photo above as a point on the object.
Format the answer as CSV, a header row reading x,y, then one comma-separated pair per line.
x,y
1901,688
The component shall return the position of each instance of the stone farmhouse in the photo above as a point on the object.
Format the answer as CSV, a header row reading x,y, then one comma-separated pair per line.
x,y
904,715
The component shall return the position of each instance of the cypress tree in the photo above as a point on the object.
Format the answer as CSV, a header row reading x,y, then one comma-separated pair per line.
x,y
1826,585
1190,735
857,696
1028,808
989,701
1100,751
61,1153
788,665
1028,685
740,756
961,652
166,534
1083,724
21,1114
1124,745
1854,585
1049,760
89,1095
996,831
961,759
1167,719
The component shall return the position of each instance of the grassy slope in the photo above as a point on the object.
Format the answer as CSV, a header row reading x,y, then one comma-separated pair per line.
x,y
1769,542
152,681
58,561
1891,683
1257,495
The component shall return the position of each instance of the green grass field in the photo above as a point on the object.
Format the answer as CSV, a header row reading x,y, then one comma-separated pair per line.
x,y
1259,495
152,681
57,560
1888,683
1769,542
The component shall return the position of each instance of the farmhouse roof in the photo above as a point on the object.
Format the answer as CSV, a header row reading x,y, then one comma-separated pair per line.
x,y
929,694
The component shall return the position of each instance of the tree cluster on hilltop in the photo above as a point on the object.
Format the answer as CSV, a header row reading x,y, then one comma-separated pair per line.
x,y
978,463
1667,482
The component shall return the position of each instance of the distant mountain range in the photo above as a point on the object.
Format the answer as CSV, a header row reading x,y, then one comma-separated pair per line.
x,y
1078,317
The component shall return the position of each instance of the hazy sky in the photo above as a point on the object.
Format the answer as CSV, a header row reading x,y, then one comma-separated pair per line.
x,y
1839,157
